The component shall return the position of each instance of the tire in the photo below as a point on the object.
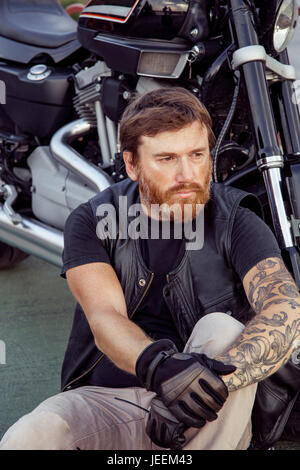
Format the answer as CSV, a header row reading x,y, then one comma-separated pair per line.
x,y
10,256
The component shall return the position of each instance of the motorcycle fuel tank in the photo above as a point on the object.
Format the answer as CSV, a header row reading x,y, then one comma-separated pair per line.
x,y
154,19
142,37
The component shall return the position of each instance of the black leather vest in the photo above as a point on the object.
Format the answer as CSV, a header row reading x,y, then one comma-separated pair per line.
x,y
202,283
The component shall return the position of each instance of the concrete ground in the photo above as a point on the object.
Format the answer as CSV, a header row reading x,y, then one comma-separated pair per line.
x,y
36,313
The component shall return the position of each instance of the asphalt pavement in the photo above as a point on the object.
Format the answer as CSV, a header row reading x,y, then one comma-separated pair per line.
x,y
36,312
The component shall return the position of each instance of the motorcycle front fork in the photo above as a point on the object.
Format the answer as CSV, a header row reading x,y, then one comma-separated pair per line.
x,y
252,61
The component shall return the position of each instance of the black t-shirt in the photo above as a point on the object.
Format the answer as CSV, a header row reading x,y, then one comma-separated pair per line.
x,y
252,241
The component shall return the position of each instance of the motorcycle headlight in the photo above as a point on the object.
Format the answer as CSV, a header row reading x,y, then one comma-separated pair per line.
x,y
285,24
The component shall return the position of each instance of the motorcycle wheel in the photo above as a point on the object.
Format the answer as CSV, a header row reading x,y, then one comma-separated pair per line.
x,y
10,256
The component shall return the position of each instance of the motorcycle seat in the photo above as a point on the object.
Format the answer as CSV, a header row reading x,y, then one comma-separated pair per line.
x,y
42,23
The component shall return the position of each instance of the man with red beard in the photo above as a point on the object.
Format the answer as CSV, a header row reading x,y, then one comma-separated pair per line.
x,y
168,343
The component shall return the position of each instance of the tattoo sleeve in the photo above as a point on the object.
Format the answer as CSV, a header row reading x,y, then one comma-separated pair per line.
x,y
268,340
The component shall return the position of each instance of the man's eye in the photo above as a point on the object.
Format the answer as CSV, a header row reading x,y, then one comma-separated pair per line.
x,y
167,159
197,155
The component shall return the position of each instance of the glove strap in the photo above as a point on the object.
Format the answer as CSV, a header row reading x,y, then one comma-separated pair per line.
x,y
161,356
151,357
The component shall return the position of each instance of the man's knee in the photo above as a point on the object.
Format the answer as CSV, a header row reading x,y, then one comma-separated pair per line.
x,y
43,430
214,333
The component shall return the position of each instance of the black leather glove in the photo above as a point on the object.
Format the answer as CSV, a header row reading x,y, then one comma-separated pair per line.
x,y
188,384
163,428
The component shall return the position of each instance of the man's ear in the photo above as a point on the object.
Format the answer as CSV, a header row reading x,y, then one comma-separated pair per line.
x,y
130,167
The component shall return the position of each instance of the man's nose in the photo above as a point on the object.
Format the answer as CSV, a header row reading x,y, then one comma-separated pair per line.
x,y
185,171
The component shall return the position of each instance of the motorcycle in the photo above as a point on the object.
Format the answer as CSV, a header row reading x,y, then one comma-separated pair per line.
x,y
67,84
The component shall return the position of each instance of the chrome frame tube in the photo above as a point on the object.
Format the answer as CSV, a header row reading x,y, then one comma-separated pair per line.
x,y
102,134
112,136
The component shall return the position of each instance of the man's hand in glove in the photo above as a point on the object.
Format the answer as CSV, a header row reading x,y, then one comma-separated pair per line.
x,y
188,383
163,428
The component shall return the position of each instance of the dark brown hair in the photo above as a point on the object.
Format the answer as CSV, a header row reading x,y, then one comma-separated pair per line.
x,y
161,110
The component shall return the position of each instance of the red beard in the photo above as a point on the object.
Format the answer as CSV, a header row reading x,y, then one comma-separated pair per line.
x,y
188,207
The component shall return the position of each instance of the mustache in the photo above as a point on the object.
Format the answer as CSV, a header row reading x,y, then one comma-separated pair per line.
x,y
185,187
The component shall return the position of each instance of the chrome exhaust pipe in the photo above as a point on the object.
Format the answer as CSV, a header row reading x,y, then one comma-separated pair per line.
x,y
69,158
33,237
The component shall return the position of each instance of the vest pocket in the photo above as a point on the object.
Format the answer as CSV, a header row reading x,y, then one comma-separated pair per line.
x,y
218,301
232,303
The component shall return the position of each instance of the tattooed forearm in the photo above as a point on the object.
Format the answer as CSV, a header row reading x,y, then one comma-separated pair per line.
x,y
271,279
257,356
267,340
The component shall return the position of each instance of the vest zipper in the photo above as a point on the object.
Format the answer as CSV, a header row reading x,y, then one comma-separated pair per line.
x,y
143,296
102,355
